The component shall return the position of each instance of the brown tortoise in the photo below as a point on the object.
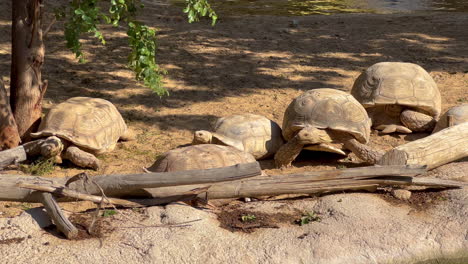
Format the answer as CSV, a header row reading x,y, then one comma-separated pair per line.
x,y
198,157
399,97
454,116
327,120
85,126
251,133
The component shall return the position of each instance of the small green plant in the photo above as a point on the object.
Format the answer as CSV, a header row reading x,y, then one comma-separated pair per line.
x,y
107,213
462,100
39,167
307,218
248,218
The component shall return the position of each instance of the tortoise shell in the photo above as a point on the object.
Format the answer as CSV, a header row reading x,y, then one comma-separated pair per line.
x,y
454,116
198,157
251,133
400,83
327,109
91,123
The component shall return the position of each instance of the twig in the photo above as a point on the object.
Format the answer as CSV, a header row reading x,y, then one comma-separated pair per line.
x,y
74,194
46,31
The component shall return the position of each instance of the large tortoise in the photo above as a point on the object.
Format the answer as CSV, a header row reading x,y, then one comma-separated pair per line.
x,y
454,116
251,133
198,157
85,126
399,97
327,120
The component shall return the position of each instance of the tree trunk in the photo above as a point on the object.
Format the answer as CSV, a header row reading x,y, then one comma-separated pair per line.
x,y
27,88
447,145
9,137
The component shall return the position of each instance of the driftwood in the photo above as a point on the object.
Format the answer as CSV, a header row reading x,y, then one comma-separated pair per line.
x,y
29,149
160,188
60,220
363,178
445,146
114,185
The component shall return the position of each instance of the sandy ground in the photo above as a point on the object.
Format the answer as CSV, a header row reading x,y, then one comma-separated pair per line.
x,y
254,64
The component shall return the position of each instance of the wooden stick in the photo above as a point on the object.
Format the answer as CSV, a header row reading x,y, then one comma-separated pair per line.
x,y
54,211
63,191
447,145
121,185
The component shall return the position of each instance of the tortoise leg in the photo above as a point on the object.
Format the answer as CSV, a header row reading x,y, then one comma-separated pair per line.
x,y
82,158
364,152
417,121
289,151
387,129
129,135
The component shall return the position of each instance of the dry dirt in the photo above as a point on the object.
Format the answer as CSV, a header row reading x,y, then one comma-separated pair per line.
x,y
254,64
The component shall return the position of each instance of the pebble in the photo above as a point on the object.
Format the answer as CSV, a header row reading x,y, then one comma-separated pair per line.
x,y
401,194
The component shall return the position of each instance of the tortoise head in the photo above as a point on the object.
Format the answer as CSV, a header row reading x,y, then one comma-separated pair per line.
x,y
202,137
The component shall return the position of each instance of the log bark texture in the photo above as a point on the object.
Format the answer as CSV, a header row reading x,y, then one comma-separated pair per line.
x,y
60,220
445,146
27,88
363,178
9,137
116,185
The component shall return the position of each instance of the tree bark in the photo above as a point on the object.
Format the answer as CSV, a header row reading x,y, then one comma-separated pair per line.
x,y
115,185
27,88
440,148
9,137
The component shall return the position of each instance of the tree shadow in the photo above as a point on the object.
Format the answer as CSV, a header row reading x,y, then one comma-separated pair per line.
x,y
242,57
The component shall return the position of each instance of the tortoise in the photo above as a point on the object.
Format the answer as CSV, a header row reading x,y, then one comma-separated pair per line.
x,y
327,120
454,116
399,97
198,157
252,133
85,126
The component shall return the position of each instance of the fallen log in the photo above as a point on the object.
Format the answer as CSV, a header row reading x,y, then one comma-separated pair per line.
x,y
447,145
25,151
114,185
363,178
60,220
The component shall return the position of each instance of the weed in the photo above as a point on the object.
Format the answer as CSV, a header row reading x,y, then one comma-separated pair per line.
x,y
248,218
462,100
39,167
308,217
107,213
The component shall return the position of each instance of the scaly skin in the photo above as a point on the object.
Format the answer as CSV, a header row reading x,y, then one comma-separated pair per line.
x,y
81,158
202,137
417,121
289,151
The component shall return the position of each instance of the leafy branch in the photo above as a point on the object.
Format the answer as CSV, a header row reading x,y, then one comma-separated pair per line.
x,y
84,16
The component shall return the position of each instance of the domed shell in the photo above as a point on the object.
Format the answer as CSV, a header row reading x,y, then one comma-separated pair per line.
x,y
252,133
454,116
92,123
327,108
198,157
401,83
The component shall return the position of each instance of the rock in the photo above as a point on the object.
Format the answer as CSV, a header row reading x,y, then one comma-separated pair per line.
x,y
401,194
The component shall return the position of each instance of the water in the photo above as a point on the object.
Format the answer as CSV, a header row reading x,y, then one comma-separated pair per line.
x,y
327,7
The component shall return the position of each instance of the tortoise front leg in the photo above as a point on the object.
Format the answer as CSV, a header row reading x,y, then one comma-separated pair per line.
x,y
82,158
417,121
387,129
289,151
